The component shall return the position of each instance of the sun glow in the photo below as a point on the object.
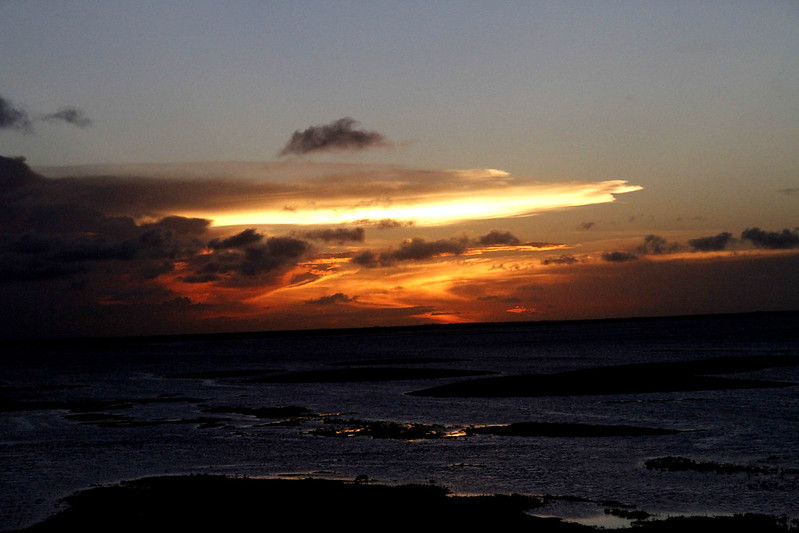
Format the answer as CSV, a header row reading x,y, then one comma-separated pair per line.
x,y
492,200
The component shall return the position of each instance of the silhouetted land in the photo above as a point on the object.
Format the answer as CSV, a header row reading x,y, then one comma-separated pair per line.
x,y
682,464
216,503
623,379
342,375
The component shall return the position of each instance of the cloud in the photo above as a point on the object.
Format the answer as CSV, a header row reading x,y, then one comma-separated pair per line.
x,y
496,238
585,226
244,260
98,242
338,135
420,249
618,257
70,115
712,243
565,259
385,223
181,225
339,235
239,240
791,191
772,239
13,118
412,250
657,245
144,250
321,194
332,299
50,230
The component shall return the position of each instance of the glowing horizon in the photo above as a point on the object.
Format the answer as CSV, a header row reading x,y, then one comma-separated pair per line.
x,y
430,209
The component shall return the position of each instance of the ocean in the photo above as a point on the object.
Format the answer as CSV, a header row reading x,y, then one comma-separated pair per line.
x,y
364,402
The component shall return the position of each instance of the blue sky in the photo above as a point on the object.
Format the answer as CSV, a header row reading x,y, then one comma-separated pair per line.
x,y
532,87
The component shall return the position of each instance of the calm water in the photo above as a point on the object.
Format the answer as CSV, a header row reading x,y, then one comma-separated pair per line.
x,y
47,453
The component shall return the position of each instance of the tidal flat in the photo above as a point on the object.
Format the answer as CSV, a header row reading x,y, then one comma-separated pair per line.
x,y
669,417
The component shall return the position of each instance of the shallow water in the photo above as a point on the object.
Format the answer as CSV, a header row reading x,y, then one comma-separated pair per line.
x,y
46,453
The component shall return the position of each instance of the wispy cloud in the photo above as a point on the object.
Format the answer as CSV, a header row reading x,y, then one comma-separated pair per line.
x,y
69,115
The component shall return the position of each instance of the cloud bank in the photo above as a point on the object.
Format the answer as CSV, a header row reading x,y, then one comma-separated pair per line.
x,y
139,249
305,194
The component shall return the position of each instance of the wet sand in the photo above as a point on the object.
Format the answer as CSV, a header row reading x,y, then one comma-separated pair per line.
x,y
232,504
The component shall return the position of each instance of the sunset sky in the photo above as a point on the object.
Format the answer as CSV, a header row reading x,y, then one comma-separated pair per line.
x,y
195,166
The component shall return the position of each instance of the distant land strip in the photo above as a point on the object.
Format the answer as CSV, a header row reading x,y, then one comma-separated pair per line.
x,y
680,376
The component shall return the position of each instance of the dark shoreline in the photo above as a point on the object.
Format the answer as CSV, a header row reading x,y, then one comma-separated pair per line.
x,y
171,503
100,341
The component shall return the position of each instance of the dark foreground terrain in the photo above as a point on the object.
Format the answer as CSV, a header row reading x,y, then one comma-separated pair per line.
x,y
208,503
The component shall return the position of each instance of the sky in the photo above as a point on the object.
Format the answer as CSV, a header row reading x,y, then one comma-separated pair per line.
x,y
199,167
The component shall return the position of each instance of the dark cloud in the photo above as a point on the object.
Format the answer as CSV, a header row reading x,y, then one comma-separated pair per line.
x,y
274,255
656,245
70,115
13,118
412,250
149,251
419,249
339,235
249,261
585,226
712,243
772,239
336,298
49,234
239,240
338,135
618,257
565,259
182,225
367,258
498,238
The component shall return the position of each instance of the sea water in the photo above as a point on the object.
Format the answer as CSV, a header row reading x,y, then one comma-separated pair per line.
x,y
157,392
